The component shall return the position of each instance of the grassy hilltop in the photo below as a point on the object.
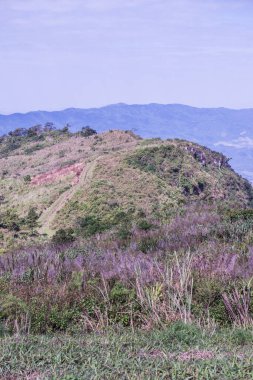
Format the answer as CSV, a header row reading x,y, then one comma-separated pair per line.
x,y
227,130
53,180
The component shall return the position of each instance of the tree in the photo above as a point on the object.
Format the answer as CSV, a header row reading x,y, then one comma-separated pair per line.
x,y
32,218
34,131
65,129
49,126
88,131
18,132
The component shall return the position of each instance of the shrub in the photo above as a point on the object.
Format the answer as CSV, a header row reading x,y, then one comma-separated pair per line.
x,y
52,313
63,236
27,178
14,312
242,215
148,243
65,129
10,220
61,317
33,148
242,336
124,233
179,332
143,224
90,225
88,131
233,230
122,305
120,294
207,299
32,217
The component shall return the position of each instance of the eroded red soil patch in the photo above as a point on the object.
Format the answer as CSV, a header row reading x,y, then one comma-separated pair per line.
x,y
56,174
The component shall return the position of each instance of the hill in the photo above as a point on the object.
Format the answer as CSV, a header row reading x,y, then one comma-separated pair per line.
x,y
112,231
55,180
230,131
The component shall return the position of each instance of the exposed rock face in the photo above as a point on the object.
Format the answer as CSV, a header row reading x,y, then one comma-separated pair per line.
x,y
55,175
217,159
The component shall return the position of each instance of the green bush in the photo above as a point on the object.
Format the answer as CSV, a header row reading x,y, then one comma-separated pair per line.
x,y
91,225
32,217
47,316
13,309
63,236
60,317
122,304
207,299
120,294
233,231
218,312
10,220
89,305
242,337
244,214
27,178
124,233
38,311
88,131
144,225
148,243
33,148
181,333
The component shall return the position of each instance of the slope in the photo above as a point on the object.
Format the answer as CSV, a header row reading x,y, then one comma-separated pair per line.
x,y
48,216
96,183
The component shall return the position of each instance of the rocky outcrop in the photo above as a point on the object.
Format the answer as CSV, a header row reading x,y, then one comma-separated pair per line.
x,y
217,159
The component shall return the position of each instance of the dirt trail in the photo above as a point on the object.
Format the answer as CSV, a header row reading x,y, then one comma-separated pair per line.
x,y
50,213
48,216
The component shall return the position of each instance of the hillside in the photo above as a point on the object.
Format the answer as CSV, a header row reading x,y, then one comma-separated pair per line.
x,y
108,231
60,180
227,130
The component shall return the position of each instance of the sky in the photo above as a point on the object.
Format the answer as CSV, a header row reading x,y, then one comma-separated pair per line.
x,y
56,54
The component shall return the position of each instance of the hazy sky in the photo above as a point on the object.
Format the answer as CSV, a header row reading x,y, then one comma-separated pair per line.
x,y
56,54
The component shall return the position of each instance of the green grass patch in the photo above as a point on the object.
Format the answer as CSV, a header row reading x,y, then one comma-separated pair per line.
x,y
179,352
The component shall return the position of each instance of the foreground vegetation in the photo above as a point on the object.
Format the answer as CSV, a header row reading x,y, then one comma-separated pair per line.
x,y
103,277
178,352
197,267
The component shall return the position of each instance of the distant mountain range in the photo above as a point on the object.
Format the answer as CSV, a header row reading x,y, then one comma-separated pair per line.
x,y
226,130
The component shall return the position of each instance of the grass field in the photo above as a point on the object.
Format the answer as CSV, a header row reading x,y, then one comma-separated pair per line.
x,y
178,352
